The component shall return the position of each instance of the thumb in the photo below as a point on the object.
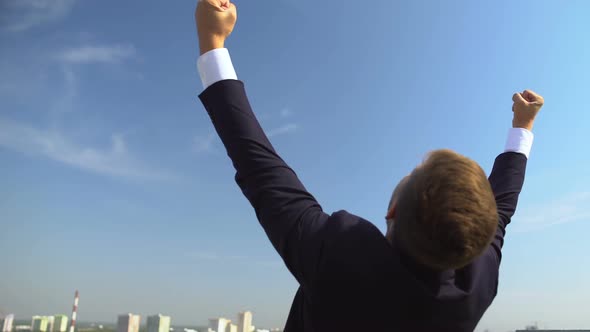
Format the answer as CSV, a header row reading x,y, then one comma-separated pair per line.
x,y
517,98
532,97
209,3
225,4
230,7
217,4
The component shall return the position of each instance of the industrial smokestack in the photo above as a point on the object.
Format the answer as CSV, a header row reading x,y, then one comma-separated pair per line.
x,y
74,312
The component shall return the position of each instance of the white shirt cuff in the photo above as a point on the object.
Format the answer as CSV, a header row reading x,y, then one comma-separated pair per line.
x,y
215,66
519,140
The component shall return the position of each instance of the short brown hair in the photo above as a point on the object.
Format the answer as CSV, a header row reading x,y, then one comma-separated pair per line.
x,y
446,213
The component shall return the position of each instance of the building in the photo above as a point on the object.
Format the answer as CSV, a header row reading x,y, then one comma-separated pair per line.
x,y
50,321
128,323
39,324
60,323
158,323
7,323
219,325
232,328
245,321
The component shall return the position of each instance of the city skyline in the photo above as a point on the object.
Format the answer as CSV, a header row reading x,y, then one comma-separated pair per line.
x,y
41,324
131,322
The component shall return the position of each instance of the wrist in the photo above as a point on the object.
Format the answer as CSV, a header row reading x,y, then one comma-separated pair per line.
x,y
210,43
523,124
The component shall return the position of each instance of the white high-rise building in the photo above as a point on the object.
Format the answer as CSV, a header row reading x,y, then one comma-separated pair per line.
x,y
232,328
219,324
128,323
245,321
61,323
39,324
158,323
50,321
8,322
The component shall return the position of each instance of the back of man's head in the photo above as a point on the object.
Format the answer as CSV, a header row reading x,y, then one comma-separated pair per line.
x,y
446,213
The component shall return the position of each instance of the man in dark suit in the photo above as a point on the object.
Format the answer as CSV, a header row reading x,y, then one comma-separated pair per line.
x,y
436,269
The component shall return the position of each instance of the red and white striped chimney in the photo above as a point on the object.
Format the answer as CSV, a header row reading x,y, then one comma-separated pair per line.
x,y
74,313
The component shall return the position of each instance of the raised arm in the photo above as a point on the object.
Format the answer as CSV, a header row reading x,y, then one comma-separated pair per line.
x,y
289,214
507,177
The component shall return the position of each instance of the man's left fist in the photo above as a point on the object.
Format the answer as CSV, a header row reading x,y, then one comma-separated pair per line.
x,y
215,22
526,106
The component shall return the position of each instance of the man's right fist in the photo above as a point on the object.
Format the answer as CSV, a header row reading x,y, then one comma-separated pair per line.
x,y
526,107
215,21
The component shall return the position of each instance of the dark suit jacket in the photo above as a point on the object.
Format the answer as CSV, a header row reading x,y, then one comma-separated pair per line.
x,y
351,278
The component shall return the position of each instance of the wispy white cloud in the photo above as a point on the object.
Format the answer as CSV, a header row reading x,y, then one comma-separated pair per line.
x,y
98,54
206,144
206,256
233,259
203,144
114,160
20,15
571,208
285,113
286,129
65,102
49,141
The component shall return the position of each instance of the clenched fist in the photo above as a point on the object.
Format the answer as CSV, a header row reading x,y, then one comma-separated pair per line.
x,y
215,22
526,107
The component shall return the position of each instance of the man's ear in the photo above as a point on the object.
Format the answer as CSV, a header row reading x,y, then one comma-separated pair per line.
x,y
391,212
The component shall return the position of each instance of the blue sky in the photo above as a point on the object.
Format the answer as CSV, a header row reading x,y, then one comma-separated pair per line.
x,y
114,183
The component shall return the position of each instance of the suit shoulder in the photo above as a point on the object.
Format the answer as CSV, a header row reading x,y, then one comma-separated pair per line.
x,y
354,247
352,228
347,220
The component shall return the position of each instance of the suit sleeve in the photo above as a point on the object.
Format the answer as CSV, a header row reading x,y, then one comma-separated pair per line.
x,y
289,214
506,179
